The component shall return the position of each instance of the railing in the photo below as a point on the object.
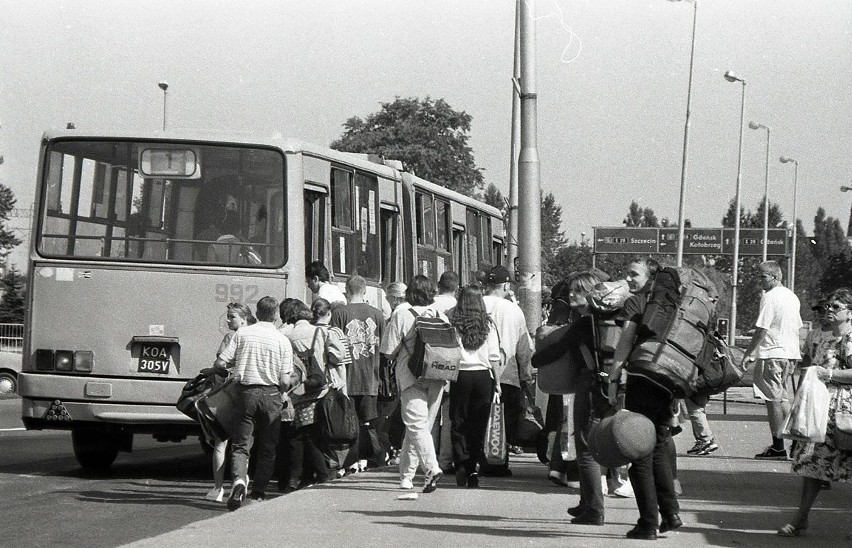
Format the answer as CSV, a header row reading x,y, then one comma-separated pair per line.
x,y
11,337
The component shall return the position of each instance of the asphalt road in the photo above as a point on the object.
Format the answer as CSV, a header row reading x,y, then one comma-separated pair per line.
x,y
47,500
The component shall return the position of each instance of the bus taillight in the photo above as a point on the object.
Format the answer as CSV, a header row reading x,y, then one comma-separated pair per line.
x,y
65,360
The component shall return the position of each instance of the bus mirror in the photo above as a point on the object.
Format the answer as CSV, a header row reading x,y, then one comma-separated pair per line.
x,y
172,163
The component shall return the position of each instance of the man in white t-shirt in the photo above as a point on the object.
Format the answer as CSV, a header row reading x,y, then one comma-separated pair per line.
x,y
776,343
317,278
515,342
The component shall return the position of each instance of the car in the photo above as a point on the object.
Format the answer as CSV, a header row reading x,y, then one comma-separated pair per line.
x,y
10,366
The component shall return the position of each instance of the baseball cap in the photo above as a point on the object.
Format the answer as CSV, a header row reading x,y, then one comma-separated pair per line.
x,y
499,275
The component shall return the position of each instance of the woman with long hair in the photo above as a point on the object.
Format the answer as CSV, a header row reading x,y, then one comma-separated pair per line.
x,y
478,380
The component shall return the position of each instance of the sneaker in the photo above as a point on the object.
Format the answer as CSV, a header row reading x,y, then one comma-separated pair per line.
x,y
771,453
432,480
238,496
216,494
406,484
697,448
258,497
572,484
709,448
473,481
557,477
625,490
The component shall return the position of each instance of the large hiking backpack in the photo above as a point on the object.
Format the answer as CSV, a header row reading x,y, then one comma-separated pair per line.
x,y
437,350
723,370
677,318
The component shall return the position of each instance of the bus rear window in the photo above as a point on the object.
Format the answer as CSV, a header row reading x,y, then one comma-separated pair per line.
x,y
210,205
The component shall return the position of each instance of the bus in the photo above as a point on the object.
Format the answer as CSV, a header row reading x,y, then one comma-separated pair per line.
x,y
140,241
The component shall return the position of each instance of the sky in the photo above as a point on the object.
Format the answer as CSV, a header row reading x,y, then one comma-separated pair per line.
x,y
611,77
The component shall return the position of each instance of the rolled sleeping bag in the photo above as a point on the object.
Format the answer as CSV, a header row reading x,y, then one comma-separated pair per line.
x,y
622,438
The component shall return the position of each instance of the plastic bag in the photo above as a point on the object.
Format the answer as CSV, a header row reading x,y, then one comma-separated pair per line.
x,y
809,414
495,434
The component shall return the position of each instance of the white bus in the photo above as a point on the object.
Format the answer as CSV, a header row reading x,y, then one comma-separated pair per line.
x,y
140,241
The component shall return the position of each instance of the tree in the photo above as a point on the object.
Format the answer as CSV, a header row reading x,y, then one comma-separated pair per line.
x,y
636,216
8,240
13,286
427,136
494,198
552,237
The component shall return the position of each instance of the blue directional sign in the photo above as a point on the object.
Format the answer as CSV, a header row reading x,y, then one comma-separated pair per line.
x,y
697,241
751,241
626,240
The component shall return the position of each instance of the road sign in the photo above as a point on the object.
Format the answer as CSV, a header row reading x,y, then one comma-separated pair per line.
x,y
626,240
751,241
697,241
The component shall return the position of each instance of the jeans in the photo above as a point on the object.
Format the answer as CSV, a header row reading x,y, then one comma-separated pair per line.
x,y
307,461
652,476
421,403
470,406
589,406
695,406
260,411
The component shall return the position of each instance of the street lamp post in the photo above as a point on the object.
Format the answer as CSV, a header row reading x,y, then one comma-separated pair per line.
x,y
680,209
731,77
792,276
165,87
755,125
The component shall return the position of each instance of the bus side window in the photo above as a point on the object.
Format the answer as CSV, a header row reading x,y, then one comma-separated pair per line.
x,y
342,226
389,219
367,258
314,226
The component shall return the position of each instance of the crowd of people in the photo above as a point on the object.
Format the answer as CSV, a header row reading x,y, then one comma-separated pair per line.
x,y
341,343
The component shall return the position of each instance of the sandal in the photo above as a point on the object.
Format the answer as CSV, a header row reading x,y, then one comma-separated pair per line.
x,y
791,530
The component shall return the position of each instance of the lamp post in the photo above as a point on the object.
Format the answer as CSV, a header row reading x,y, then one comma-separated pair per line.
x,y
165,87
792,276
680,208
731,77
755,125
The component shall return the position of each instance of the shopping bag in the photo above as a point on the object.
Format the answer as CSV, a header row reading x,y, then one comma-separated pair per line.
x,y
809,413
530,423
495,434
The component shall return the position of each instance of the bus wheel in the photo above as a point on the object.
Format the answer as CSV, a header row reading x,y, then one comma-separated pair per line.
x,y
95,449
8,382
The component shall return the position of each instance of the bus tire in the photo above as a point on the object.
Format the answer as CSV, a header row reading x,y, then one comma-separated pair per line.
x,y
94,449
8,382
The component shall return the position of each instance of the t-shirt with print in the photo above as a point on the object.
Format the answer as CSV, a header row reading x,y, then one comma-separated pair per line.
x,y
363,326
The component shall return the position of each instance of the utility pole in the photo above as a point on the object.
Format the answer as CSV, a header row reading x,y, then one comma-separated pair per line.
x,y
529,195
512,213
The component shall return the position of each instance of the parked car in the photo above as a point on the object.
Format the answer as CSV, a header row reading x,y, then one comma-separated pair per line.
x,y
10,366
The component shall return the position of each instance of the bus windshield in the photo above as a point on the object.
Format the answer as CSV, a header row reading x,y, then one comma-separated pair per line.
x,y
163,203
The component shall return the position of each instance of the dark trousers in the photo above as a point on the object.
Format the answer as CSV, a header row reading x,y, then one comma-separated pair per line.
x,y
307,462
282,453
651,476
260,411
470,405
589,407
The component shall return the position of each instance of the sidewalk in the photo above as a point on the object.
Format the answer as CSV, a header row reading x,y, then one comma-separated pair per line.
x,y
729,499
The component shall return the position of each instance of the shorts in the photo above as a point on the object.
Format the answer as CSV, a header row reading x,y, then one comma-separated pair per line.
x,y
770,378
365,407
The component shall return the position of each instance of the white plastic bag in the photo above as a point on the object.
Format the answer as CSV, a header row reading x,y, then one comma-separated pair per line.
x,y
809,413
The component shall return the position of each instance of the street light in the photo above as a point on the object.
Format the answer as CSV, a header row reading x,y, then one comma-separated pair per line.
x,y
680,208
731,77
755,125
164,86
787,160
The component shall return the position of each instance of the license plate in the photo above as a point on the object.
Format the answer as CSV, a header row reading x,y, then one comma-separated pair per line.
x,y
154,358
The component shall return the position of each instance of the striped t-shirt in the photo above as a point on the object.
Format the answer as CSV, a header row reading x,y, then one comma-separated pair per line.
x,y
261,354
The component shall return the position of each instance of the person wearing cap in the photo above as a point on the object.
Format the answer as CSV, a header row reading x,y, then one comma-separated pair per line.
x,y
517,345
776,344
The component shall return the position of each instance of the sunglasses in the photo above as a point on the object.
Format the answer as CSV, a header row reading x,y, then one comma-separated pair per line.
x,y
837,307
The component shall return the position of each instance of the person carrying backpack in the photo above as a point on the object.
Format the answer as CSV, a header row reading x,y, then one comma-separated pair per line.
x,y
420,399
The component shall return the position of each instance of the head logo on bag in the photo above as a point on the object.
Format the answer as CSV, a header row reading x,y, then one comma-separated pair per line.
x,y
437,350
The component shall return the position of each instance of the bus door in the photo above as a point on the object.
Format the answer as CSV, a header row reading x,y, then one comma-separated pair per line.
x,y
389,220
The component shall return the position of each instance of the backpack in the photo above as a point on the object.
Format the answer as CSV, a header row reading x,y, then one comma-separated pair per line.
x,y
437,350
336,419
674,328
723,370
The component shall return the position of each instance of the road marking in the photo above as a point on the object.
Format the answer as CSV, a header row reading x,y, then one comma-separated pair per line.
x,y
12,429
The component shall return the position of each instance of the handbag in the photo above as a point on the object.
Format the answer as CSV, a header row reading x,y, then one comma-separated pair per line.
x,y
195,389
530,423
495,434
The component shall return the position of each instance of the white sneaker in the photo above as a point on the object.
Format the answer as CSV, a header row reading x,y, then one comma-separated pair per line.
x,y
625,490
216,495
362,465
406,483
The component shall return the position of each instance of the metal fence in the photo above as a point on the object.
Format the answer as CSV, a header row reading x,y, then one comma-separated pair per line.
x,y
12,337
